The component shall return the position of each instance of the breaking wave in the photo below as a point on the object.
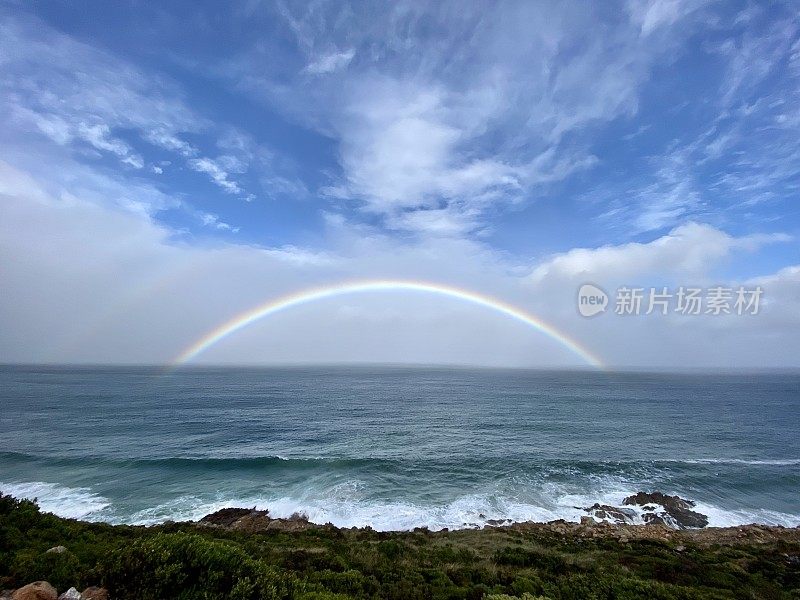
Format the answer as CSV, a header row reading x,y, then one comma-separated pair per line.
x,y
68,502
348,505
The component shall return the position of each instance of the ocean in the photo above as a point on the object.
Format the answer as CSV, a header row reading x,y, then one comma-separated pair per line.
x,y
396,447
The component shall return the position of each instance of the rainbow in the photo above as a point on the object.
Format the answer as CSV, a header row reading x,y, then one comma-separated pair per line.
x,y
281,303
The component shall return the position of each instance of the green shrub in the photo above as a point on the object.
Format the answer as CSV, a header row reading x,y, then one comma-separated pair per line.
x,y
167,565
180,561
524,596
62,570
391,549
523,557
531,585
353,583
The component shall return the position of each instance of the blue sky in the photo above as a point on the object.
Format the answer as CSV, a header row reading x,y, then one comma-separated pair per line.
x,y
388,139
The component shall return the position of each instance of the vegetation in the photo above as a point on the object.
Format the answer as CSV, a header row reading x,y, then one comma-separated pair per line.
x,y
184,561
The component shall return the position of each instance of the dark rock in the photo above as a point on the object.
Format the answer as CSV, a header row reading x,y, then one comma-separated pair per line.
x,y
662,519
38,590
604,512
226,517
677,511
253,522
422,529
295,525
94,593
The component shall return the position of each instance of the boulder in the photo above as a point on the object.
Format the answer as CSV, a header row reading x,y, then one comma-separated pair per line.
x,y
56,550
70,594
38,590
677,511
94,593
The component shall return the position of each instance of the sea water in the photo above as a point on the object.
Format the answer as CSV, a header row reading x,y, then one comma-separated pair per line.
x,y
396,447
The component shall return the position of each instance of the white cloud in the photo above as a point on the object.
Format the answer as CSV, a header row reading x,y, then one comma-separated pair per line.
x,y
690,255
73,92
692,251
218,175
433,134
52,126
670,196
752,56
329,63
654,14
80,270
170,141
134,292
134,160
67,85
745,155
275,185
782,290
450,130
99,136
212,220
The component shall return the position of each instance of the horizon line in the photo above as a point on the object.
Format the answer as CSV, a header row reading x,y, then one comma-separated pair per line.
x,y
617,369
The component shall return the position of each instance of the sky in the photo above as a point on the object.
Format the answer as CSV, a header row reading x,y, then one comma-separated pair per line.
x,y
167,166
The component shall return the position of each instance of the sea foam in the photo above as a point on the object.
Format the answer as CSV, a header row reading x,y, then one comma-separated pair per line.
x,y
348,505
68,502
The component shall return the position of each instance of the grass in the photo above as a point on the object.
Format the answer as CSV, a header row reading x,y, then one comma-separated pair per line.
x,y
183,561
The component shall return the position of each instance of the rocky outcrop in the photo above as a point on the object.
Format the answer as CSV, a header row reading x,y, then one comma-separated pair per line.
x,y
56,550
226,517
612,514
70,594
255,521
38,590
677,512
498,522
652,508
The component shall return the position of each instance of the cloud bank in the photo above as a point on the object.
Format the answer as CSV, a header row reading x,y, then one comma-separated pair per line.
x,y
518,152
